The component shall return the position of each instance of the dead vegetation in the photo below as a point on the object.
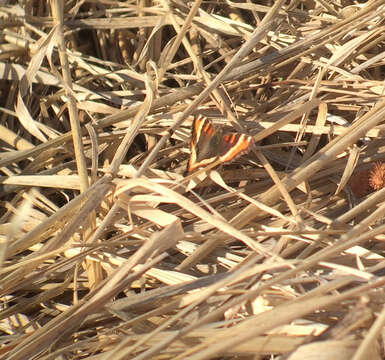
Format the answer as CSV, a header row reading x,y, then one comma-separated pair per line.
x,y
110,251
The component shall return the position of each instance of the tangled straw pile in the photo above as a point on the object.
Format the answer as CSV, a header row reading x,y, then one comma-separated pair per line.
x,y
109,251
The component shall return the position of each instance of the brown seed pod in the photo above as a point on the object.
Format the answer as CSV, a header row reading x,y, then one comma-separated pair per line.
x,y
359,183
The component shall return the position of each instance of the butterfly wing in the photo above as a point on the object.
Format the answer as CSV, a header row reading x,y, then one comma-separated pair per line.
x,y
204,143
233,145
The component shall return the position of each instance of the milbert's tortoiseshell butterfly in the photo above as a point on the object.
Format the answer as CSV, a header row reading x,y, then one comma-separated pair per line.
x,y
209,144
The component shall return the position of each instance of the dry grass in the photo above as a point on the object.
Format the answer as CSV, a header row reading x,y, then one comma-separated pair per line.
x,y
108,251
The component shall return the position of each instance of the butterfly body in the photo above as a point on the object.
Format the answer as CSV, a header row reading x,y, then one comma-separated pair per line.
x,y
209,144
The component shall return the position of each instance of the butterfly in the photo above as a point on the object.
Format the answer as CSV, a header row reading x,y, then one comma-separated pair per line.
x,y
209,144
